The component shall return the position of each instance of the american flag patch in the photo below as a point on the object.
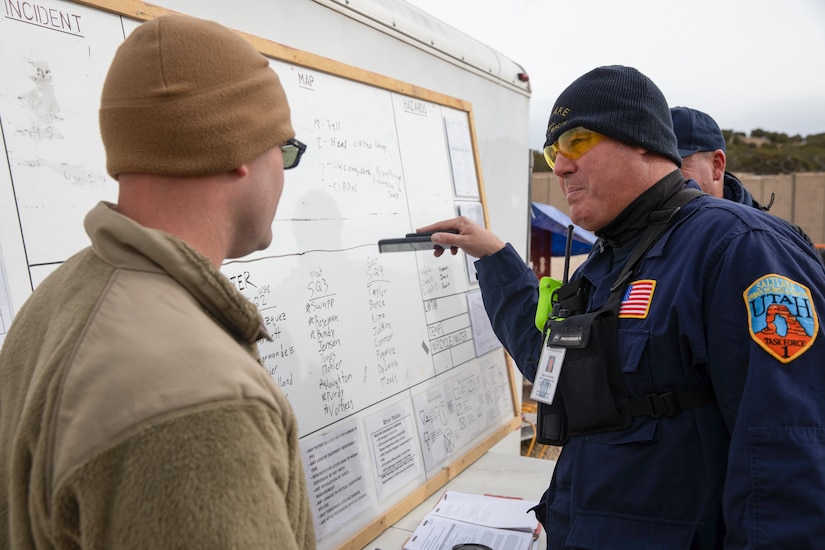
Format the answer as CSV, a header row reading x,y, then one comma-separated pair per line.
x,y
636,299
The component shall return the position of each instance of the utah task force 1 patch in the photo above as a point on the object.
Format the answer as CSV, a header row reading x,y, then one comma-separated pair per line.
x,y
781,316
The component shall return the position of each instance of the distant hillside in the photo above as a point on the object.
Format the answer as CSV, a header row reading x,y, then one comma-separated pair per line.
x,y
772,153
762,153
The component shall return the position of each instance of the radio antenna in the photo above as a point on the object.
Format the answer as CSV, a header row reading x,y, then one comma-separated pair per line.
x,y
567,248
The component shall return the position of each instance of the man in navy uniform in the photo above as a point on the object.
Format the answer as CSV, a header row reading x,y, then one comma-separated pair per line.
x,y
691,381
704,159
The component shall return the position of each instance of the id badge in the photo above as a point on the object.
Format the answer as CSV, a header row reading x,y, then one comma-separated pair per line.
x,y
548,372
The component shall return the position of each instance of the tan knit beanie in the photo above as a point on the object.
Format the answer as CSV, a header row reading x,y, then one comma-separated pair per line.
x,y
189,97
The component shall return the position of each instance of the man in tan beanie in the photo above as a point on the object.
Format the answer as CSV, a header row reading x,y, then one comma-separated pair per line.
x,y
134,412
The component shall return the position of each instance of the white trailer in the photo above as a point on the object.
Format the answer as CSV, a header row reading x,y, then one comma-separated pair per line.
x,y
55,57
396,39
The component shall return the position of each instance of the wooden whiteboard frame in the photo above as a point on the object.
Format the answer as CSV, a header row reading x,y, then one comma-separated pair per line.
x,y
141,11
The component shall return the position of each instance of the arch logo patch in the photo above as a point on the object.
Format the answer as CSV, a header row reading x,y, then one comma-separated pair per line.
x,y
781,316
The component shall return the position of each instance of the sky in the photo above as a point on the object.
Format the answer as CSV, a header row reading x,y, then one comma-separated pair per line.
x,y
750,64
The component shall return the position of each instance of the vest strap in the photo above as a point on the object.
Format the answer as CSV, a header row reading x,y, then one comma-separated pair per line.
x,y
671,403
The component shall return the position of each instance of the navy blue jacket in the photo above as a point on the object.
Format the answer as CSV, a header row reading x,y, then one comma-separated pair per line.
x,y
736,305
733,190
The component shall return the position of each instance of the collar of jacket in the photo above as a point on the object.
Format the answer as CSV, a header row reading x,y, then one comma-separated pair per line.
x,y
124,243
733,190
629,224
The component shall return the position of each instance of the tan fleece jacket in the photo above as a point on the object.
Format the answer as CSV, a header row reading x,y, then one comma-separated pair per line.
x,y
134,412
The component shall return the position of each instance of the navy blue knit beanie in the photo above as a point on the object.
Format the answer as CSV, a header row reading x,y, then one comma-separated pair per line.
x,y
621,103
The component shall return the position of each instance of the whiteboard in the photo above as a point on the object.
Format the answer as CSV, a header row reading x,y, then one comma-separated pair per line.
x,y
387,359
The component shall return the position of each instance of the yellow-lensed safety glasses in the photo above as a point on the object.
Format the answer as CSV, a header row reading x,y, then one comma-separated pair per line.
x,y
572,144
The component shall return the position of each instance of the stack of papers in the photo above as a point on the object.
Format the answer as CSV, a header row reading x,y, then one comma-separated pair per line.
x,y
500,523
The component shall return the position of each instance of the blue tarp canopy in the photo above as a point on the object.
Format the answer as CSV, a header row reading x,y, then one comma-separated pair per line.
x,y
551,219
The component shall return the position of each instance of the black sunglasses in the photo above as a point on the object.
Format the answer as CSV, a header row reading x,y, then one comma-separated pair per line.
x,y
292,151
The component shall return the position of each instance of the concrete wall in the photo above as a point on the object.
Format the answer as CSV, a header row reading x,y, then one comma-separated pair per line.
x,y
798,198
